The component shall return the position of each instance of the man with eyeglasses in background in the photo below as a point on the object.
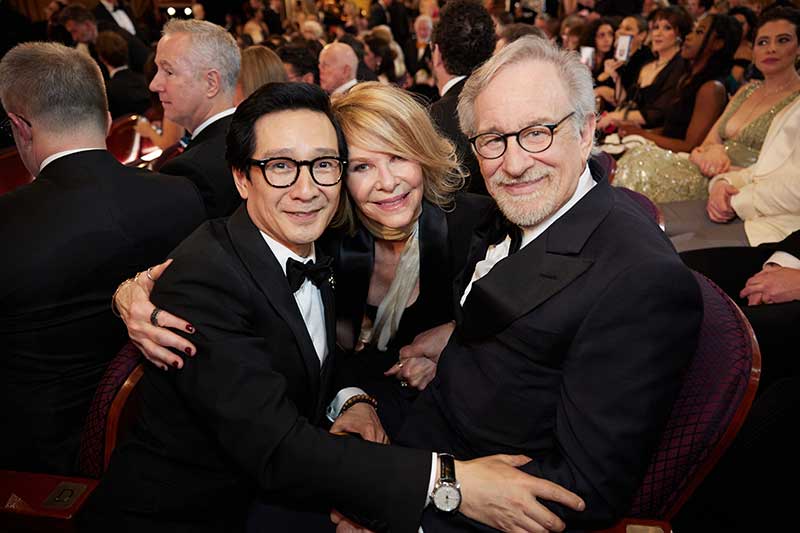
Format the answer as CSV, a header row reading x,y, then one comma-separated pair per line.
x,y
577,317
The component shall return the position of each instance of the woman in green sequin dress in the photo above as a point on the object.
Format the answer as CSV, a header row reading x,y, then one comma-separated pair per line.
x,y
733,142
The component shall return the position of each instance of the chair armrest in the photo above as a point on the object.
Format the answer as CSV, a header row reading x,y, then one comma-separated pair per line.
x,y
41,502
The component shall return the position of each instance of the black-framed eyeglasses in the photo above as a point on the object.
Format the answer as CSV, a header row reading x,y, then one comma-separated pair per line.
x,y
282,172
534,139
6,124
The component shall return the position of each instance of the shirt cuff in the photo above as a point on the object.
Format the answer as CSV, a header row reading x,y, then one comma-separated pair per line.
x,y
335,407
432,479
784,259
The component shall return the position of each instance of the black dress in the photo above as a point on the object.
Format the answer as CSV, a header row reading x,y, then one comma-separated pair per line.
x,y
654,100
444,238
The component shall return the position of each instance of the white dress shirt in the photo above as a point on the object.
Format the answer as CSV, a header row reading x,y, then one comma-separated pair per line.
x,y
449,84
308,298
210,120
497,252
65,153
343,88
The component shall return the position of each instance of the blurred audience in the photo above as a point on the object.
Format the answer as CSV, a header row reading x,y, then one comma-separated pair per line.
x,y
127,90
259,66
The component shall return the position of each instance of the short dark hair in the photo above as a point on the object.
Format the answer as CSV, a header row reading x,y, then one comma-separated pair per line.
x,y
789,14
465,36
75,13
272,98
301,58
112,48
678,17
751,18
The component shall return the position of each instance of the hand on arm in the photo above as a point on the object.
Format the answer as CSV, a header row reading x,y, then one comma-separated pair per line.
x,y
711,159
361,418
418,360
719,202
495,492
774,284
133,302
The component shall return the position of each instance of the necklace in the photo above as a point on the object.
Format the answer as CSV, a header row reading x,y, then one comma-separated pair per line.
x,y
777,90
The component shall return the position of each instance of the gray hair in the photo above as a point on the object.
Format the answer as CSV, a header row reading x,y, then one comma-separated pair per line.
x,y
574,75
59,88
211,47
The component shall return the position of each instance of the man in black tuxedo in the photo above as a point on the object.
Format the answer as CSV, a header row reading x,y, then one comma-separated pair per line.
x,y
83,225
462,40
577,316
83,27
245,415
127,90
115,13
198,65
379,13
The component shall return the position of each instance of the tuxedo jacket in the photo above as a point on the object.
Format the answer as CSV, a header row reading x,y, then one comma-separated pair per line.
x,y
138,51
127,93
570,351
413,62
69,238
203,162
444,113
243,415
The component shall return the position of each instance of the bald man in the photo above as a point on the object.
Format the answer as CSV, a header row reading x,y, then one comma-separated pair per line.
x,y
338,64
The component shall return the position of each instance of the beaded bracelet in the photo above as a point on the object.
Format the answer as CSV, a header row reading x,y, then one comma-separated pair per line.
x,y
358,398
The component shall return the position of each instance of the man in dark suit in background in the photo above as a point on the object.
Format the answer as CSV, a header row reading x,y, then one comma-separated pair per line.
x,y
115,13
577,316
246,416
69,238
82,25
127,90
198,65
462,40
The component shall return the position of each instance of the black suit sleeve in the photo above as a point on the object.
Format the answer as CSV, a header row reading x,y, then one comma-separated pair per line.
x,y
237,385
621,375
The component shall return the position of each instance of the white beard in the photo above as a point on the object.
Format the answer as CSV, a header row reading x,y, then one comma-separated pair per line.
x,y
529,209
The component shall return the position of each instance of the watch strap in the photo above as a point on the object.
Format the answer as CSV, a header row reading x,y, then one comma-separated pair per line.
x,y
447,468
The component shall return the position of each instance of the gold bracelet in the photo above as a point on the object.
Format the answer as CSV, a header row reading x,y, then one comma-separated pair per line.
x,y
114,309
358,398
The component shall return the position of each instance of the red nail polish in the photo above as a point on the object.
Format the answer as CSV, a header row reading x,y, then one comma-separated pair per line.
x,y
188,351
175,364
190,328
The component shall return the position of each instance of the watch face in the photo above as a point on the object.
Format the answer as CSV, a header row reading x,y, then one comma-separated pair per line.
x,y
447,498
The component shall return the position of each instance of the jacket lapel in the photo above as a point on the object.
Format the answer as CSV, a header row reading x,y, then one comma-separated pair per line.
x,y
525,280
270,279
356,254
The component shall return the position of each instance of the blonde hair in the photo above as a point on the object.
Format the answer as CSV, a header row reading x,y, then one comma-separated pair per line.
x,y
385,118
260,66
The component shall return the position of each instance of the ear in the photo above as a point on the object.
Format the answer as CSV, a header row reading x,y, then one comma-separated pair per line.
x,y
436,56
213,83
243,184
24,131
587,135
109,120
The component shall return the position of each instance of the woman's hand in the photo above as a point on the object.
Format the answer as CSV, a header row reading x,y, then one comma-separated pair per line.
x,y
711,159
133,302
719,207
418,360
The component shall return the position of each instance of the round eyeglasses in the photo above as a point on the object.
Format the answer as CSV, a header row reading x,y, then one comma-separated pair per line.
x,y
282,172
534,139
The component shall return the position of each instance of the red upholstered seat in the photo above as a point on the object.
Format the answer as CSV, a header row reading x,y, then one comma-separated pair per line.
x,y
716,395
43,502
12,171
123,141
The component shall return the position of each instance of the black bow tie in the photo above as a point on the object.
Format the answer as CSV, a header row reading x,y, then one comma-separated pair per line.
x,y
502,228
316,273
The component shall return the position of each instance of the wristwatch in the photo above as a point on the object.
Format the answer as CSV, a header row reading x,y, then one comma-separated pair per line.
x,y
446,493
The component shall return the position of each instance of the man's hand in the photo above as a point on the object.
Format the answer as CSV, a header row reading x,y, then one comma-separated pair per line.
x,y
774,284
345,525
719,202
496,493
418,360
361,418
133,303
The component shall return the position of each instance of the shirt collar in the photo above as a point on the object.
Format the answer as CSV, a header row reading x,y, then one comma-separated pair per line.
x,y
115,70
585,184
65,153
207,122
282,253
449,84
343,88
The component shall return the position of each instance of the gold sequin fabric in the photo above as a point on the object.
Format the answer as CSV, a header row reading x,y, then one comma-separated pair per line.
x,y
664,176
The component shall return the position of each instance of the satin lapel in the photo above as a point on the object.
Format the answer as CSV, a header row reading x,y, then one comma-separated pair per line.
x,y
525,280
353,271
327,292
269,276
434,257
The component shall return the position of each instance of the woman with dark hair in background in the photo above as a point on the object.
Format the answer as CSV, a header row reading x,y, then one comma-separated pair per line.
x,y
379,57
657,85
624,73
744,53
599,35
700,101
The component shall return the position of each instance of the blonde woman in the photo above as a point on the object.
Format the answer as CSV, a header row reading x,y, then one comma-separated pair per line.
x,y
259,66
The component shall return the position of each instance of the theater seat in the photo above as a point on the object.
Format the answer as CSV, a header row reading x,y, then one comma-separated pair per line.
x,y
34,502
12,171
714,400
123,141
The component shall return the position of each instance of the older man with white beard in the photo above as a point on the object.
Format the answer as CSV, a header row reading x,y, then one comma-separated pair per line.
x,y
577,316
